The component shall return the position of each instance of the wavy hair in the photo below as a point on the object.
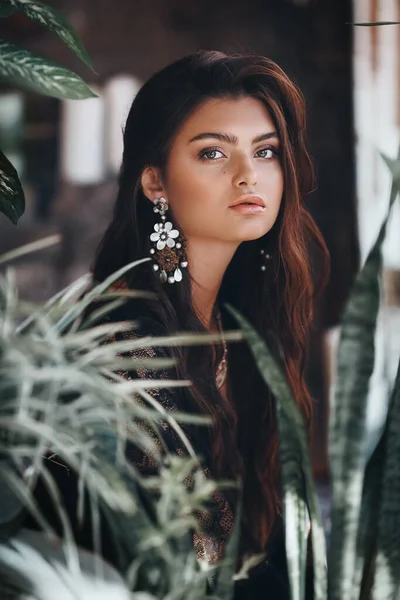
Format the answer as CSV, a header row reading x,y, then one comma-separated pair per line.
x,y
278,302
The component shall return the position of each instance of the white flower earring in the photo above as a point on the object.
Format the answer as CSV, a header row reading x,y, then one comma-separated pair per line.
x,y
169,247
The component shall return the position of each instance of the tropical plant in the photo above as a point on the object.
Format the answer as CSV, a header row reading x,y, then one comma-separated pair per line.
x,y
26,70
61,392
33,567
363,560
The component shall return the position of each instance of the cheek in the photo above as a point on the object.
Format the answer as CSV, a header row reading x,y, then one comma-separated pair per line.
x,y
192,189
188,196
274,185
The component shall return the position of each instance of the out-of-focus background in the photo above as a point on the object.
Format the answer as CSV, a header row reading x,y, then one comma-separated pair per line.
x,y
68,153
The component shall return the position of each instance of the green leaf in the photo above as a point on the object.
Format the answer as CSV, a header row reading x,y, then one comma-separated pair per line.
x,y
6,11
31,71
294,423
49,575
387,570
348,441
50,18
12,199
79,307
294,505
46,242
367,534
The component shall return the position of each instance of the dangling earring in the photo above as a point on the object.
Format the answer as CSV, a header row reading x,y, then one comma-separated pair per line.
x,y
266,257
169,247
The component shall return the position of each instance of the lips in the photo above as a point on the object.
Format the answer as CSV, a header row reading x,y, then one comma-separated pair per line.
x,y
248,205
249,201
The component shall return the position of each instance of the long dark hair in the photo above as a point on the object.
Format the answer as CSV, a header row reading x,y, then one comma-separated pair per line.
x,y
278,302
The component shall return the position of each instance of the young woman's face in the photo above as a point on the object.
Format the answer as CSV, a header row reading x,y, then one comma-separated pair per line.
x,y
227,152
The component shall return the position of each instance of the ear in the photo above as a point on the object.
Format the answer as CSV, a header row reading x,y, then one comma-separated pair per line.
x,y
151,183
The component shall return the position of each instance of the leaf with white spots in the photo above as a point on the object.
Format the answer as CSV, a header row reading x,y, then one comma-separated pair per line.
x,y
31,71
50,18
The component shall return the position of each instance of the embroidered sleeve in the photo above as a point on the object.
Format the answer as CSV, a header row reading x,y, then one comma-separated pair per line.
x,y
216,523
164,396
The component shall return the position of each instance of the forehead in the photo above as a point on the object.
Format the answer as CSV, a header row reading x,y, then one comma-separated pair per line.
x,y
244,117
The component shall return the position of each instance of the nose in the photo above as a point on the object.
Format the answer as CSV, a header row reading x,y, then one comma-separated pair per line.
x,y
245,174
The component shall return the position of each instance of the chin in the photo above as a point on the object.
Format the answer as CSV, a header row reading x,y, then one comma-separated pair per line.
x,y
252,233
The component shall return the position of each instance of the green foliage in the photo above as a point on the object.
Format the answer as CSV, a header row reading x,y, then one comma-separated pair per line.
x,y
54,21
349,432
364,555
26,70
12,198
62,393
387,578
6,10
298,484
30,71
47,576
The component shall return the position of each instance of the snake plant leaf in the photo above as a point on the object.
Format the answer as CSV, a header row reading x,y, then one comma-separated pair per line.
x,y
367,534
12,198
50,18
387,570
294,507
295,441
349,433
33,72
6,11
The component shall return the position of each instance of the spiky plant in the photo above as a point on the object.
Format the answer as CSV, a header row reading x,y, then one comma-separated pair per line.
x,y
363,560
33,567
61,393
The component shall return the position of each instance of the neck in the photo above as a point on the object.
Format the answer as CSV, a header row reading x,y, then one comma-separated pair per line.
x,y
208,262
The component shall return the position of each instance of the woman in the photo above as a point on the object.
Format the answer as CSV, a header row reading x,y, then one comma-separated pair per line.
x,y
212,187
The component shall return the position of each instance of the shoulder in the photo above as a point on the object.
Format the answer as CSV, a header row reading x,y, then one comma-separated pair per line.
x,y
124,307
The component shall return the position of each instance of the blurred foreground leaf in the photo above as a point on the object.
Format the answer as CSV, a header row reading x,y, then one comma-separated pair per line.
x,y
12,198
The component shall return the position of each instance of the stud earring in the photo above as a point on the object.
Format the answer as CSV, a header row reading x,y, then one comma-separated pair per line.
x,y
266,257
169,247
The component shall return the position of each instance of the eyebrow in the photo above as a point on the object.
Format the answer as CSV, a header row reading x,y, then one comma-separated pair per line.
x,y
232,139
